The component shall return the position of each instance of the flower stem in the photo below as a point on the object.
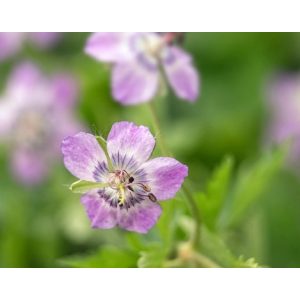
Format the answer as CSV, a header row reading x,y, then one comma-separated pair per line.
x,y
158,133
188,194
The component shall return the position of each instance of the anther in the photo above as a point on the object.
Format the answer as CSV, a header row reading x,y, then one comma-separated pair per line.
x,y
152,197
145,187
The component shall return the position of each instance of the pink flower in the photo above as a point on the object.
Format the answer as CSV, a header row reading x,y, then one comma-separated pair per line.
x,y
131,188
12,42
35,114
139,61
284,104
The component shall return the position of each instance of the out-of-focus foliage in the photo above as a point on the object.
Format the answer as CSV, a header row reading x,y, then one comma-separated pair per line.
x,y
249,199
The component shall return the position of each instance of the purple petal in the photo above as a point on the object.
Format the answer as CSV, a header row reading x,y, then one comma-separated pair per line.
x,y
25,76
45,39
165,176
83,156
130,140
134,82
7,117
29,168
99,212
181,74
140,218
65,90
109,46
10,43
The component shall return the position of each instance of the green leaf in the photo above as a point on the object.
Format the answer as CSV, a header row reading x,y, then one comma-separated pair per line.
x,y
214,247
211,201
251,183
106,257
153,257
82,186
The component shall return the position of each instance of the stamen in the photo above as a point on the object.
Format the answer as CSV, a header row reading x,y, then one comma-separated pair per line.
x,y
121,199
152,197
145,187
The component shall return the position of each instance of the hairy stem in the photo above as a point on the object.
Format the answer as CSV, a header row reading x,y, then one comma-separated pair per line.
x,y
188,194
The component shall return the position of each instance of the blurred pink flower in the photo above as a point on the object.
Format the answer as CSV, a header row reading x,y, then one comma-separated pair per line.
x,y
139,61
36,113
12,42
284,105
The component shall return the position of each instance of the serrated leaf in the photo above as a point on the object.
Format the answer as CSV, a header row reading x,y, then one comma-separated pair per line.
x,y
216,249
251,183
82,186
106,257
211,201
248,263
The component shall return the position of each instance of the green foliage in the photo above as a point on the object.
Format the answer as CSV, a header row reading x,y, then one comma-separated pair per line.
x,y
106,257
251,182
212,200
153,257
217,250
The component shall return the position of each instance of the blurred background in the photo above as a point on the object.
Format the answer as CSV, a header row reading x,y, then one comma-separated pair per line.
x,y
44,225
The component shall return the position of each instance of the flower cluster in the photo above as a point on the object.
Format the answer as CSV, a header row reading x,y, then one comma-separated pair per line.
x,y
11,42
124,185
140,61
35,115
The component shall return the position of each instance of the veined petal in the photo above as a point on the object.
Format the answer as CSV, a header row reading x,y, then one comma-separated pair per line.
x,y
134,82
83,157
101,214
181,74
128,140
109,46
165,176
139,218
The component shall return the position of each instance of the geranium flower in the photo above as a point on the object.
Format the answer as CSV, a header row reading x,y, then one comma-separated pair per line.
x,y
139,60
11,42
284,104
35,115
129,189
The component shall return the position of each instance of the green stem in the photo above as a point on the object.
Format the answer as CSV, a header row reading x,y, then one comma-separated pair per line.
x,y
158,133
188,194
204,261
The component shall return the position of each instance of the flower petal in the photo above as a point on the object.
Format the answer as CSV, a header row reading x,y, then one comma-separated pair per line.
x,y
65,90
45,39
83,157
134,82
101,214
131,141
25,76
165,176
109,46
181,74
139,218
29,167
10,43
7,117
